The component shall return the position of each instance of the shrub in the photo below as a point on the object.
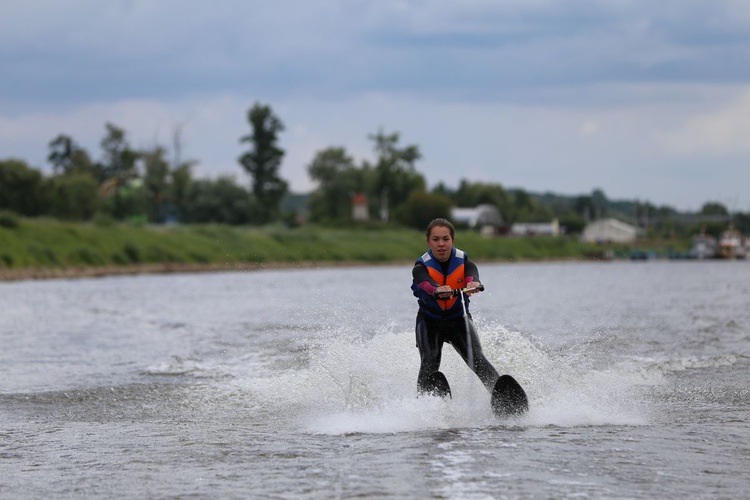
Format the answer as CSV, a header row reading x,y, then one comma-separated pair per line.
x,y
8,219
87,256
132,253
42,254
104,220
6,260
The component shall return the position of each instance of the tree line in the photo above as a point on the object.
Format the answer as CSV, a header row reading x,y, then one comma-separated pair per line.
x,y
153,184
157,185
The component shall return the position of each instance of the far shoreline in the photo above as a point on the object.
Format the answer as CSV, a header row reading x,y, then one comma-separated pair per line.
x,y
55,273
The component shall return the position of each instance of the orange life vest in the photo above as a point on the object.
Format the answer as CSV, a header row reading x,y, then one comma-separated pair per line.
x,y
455,277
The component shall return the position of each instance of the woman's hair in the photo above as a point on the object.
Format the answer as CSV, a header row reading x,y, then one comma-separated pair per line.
x,y
443,223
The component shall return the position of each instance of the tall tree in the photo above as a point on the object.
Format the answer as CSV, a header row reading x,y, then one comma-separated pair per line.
x,y
156,182
584,206
600,203
67,157
263,161
181,178
338,179
395,174
119,162
20,188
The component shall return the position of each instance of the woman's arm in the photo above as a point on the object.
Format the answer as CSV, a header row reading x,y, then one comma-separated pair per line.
x,y
423,279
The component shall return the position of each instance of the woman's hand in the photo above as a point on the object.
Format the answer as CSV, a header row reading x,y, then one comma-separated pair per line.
x,y
473,287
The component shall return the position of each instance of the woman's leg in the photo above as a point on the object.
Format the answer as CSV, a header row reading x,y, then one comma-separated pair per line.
x,y
460,341
430,344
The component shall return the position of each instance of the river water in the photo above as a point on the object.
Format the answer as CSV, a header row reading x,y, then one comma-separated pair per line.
x,y
301,384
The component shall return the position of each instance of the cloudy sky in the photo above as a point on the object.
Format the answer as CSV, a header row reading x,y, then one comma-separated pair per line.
x,y
643,99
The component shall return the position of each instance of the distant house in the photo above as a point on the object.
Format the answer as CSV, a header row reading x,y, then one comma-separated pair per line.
x,y
485,217
609,231
360,210
536,228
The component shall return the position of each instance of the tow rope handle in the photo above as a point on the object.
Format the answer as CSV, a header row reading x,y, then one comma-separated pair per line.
x,y
454,293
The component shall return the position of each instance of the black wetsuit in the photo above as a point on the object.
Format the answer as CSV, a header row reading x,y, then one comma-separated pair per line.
x,y
432,332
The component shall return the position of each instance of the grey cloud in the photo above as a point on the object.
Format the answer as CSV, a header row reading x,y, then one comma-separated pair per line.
x,y
459,50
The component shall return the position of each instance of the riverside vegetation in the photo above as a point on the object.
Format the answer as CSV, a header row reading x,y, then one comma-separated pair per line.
x,y
45,247
223,224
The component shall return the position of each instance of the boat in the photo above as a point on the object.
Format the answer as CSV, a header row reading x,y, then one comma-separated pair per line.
x,y
704,247
731,245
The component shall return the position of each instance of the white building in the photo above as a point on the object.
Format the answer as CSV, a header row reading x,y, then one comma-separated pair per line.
x,y
536,228
609,231
486,217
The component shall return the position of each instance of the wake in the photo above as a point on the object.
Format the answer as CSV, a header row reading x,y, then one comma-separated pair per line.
x,y
368,385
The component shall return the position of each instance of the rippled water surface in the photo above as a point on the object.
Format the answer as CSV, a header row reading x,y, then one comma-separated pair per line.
x,y
301,384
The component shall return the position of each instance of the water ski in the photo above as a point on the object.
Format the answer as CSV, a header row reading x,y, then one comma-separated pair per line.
x,y
508,397
436,385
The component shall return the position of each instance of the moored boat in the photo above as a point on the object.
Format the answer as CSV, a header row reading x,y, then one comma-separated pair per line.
x,y
731,245
704,247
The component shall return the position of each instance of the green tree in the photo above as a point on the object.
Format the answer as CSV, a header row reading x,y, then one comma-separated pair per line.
x,y
584,206
714,208
123,192
573,223
67,157
600,204
742,222
182,179
338,179
527,209
21,189
156,182
471,194
263,161
441,188
72,196
221,201
129,200
395,176
422,207
120,160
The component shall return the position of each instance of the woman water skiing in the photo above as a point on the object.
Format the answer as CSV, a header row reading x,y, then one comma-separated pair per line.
x,y
441,270
443,279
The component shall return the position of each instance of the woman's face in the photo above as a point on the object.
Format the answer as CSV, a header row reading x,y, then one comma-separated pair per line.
x,y
440,243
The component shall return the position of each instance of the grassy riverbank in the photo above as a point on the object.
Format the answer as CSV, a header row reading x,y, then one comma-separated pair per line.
x,y
48,248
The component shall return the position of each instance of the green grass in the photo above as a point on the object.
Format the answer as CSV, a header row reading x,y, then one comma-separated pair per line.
x,y
48,243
